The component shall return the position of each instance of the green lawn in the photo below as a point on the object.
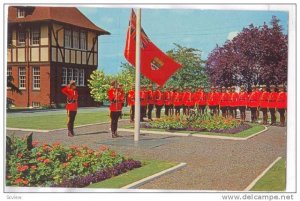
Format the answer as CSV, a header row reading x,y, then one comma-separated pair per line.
x,y
149,168
48,122
274,179
254,129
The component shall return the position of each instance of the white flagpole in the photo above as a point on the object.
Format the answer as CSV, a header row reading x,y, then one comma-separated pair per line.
x,y
137,112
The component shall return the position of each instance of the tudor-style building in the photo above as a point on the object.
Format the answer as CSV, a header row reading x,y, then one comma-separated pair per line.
x,y
48,47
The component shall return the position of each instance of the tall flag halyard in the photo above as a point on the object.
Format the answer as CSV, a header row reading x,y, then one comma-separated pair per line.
x,y
155,64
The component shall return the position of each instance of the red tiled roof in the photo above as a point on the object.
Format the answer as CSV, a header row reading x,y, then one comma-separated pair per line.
x,y
68,15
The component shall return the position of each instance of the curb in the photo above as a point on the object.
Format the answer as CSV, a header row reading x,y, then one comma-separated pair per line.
x,y
194,135
59,129
155,176
248,188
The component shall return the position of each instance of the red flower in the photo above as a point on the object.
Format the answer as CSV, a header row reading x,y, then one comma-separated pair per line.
x,y
47,161
20,155
19,180
34,143
33,167
74,147
56,144
90,151
103,148
38,153
69,156
85,164
65,164
25,182
113,154
23,168
40,159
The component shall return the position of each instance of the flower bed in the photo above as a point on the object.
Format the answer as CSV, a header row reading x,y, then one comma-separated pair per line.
x,y
57,165
196,122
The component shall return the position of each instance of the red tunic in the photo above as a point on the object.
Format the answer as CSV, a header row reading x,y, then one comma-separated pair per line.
x,y
264,99
234,99
151,100
159,99
224,99
272,99
72,98
188,99
130,97
200,98
167,98
177,99
253,100
281,102
243,98
115,98
144,97
212,99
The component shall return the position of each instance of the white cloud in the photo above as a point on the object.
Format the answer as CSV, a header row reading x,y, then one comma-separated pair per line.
x,y
232,34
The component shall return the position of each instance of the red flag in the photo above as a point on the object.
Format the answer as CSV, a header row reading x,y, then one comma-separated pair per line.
x,y
155,64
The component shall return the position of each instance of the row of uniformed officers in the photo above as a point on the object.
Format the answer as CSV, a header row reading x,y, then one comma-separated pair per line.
x,y
224,100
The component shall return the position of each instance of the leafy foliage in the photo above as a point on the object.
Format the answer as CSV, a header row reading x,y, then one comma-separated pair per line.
x,y
257,55
99,83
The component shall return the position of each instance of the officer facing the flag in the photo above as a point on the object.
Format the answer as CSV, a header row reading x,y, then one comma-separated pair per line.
x,y
131,102
281,104
272,104
115,97
243,100
151,102
71,106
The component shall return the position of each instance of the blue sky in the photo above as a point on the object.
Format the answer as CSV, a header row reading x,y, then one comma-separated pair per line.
x,y
201,29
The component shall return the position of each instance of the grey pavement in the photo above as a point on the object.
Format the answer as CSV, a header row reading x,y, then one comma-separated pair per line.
x,y
212,164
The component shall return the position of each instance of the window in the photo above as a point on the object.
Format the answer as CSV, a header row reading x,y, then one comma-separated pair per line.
x,y
83,40
35,36
64,76
21,38
9,38
22,78
9,71
76,39
75,75
81,77
36,104
69,75
20,13
68,38
36,78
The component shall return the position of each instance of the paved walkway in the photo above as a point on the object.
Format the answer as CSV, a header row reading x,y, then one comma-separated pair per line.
x,y
212,164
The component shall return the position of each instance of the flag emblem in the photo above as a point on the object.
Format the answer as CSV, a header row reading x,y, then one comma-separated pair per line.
x,y
156,63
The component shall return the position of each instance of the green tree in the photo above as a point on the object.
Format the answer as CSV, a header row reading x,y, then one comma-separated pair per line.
x,y
192,74
99,83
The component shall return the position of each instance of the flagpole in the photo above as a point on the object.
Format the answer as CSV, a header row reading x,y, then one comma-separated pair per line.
x,y
137,112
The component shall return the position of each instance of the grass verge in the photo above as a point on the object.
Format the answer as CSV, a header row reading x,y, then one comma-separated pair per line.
x,y
57,121
274,179
149,168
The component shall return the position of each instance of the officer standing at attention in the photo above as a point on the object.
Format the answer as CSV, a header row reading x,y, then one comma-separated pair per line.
x,y
151,102
159,101
281,104
263,104
224,102
115,98
243,101
71,106
272,104
177,101
144,102
131,102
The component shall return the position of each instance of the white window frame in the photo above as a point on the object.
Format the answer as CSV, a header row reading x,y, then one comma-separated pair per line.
x,y
36,78
64,77
83,39
81,78
69,75
76,75
76,39
36,104
23,33
22,77
68,38
35,36
9,71
20,13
